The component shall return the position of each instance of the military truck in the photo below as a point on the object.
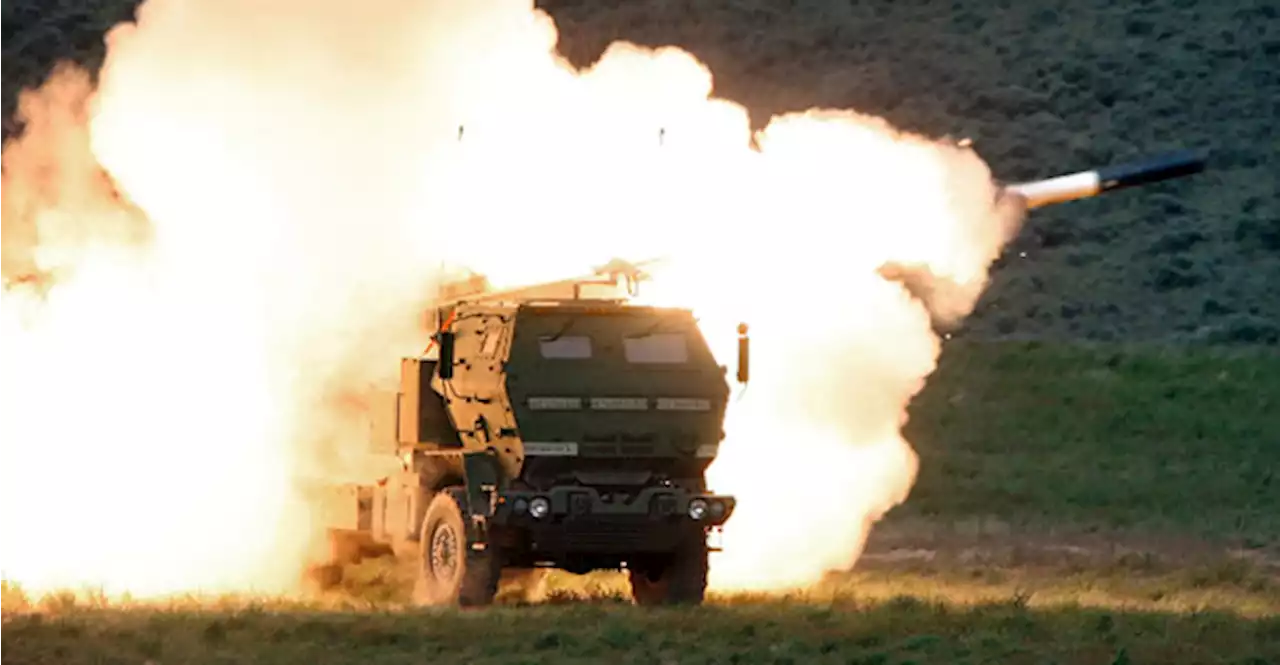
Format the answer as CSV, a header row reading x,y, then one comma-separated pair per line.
x,y
552,426
546,427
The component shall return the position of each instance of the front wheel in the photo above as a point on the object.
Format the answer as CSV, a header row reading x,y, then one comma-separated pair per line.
x,y
449,572
680,580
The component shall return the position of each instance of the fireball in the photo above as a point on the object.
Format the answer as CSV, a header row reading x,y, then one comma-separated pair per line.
x,y
243,221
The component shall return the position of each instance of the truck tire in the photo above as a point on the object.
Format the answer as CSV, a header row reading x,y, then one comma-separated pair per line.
x,y
682,581
449,573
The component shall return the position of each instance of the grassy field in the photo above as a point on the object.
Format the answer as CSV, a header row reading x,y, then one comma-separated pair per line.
x,y
1089,437
899,631
1076,505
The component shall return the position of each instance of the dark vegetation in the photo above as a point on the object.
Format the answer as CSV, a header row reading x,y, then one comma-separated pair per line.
x,y
1095,496
1042,87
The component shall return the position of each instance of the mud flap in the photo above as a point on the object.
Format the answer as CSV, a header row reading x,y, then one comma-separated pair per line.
x,y
482,483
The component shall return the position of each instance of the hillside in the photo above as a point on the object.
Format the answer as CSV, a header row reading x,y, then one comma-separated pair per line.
x,y
1042,87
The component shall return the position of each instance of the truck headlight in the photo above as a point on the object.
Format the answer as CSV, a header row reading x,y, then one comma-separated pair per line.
x,y
717,510
697,509
539,507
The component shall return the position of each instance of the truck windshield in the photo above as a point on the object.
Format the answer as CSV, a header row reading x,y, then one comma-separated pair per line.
x,y
668,348
567,346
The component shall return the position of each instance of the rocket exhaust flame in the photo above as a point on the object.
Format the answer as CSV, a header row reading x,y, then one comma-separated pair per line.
x,y
289,180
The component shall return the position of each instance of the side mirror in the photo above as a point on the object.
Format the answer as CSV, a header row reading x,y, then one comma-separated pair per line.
x,y
744,354
446,339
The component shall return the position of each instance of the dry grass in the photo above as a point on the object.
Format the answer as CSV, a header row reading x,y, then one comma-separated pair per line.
x,y
871,624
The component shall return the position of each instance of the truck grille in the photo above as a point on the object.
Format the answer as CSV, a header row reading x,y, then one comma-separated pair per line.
x,y
544,472
617,449
593,535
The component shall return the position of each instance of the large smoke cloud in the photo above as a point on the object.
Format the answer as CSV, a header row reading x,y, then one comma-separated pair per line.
x,y
286,179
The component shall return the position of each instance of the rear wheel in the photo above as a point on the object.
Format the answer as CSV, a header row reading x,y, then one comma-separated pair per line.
x,y
449,572
680,580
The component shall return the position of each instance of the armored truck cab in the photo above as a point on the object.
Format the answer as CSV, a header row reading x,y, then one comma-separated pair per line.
x,y
569,433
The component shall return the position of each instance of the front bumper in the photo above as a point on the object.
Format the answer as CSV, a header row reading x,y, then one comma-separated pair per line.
x,y
656,504
585,520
